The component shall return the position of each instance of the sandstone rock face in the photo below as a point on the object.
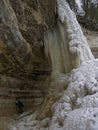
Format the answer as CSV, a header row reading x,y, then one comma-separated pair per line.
x,y
92,38
24,68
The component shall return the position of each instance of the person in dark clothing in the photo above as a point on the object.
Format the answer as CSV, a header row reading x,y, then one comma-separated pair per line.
x,y
20,106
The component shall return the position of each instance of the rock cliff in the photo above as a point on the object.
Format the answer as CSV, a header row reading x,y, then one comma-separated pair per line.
x,y
24,68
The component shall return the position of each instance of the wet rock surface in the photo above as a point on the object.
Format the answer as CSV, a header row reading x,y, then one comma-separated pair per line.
x,y
24,68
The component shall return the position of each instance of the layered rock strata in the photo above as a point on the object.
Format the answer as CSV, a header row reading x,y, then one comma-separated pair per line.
x,y
24,68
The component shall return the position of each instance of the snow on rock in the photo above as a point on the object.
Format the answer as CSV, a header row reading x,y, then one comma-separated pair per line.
x,y
78,107
82,119
80,10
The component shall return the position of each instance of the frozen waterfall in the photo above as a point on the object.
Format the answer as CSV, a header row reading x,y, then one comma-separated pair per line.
x,y
66,44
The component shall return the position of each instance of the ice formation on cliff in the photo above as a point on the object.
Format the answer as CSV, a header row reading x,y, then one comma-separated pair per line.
x,y
80,10
78,2
77,108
